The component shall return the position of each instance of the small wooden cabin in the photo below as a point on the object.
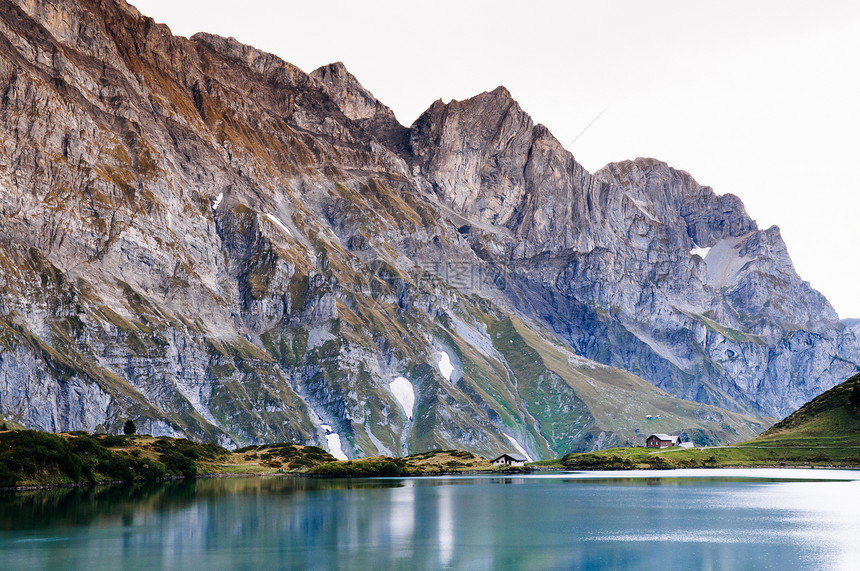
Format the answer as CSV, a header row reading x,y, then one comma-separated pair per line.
x,y
508,460
662,441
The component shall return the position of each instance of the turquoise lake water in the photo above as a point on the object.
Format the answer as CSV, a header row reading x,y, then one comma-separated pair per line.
x,y
684,519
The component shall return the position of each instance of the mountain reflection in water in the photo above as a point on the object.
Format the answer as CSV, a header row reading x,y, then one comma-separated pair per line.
x,y
719,518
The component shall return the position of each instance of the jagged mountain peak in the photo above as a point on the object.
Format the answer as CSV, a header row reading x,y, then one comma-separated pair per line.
x,y
354,100
670,192
498,96
263,62
476,153
360,105
485,109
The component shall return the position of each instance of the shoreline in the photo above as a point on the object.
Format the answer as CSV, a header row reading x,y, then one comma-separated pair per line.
x,y
216,475
501,473
746,467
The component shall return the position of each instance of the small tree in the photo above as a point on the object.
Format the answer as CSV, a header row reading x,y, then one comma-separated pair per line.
x,y
129,427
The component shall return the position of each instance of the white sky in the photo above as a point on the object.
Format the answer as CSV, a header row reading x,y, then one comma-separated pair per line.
x,y
758,99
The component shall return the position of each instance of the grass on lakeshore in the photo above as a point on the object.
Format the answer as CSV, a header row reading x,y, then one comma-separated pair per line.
x,y
425,463
744,455
33,458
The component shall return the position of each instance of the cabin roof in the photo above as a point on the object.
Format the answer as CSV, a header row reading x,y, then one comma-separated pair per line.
x,y
512,458
664,436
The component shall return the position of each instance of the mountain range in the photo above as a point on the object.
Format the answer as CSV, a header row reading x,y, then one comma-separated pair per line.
x,y
201,237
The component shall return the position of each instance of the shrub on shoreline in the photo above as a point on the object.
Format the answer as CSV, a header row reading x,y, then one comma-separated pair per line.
x,y
30,457
386,467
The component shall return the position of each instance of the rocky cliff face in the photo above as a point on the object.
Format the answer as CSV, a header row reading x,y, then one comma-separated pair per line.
x,y
204,238
675,283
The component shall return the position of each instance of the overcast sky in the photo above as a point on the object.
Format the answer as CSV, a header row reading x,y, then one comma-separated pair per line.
x,y
758,99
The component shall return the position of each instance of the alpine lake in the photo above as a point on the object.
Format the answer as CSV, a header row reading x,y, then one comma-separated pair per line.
x,y
680,519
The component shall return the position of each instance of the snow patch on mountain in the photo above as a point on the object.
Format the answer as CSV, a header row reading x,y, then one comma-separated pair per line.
x,y
518,446
334,448
333,439
445,366
725,262
280,224
402,390
701,252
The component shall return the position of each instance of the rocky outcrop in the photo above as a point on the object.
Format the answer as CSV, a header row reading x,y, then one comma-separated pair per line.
x,y
200,236
487,160
361,106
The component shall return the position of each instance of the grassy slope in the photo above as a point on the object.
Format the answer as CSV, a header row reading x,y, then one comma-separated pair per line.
x,y
32,458
830,419
823,432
